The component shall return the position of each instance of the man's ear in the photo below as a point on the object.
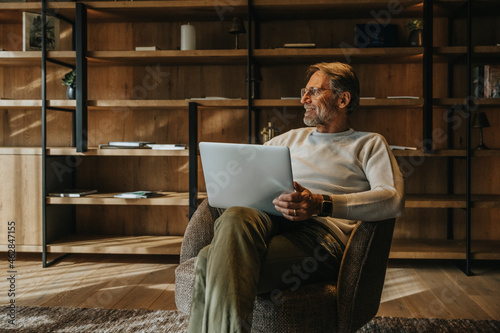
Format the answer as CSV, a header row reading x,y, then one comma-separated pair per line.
x,y
344,99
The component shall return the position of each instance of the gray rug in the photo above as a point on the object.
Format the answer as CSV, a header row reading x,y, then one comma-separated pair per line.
x,y
77,320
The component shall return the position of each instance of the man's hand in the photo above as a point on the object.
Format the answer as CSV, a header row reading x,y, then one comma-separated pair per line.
x,y
299,205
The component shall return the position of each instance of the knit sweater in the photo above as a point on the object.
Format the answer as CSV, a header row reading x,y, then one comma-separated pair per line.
x,y
357,169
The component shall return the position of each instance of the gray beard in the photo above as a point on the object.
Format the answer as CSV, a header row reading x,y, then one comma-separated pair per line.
x,y
322,117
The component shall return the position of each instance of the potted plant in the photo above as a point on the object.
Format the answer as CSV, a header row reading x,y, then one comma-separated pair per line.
x,y
70,81
416,28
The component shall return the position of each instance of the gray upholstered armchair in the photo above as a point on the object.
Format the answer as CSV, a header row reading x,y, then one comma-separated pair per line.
x,y
345,304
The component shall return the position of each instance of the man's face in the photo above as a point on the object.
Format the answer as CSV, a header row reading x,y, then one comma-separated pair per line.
x,y
320,108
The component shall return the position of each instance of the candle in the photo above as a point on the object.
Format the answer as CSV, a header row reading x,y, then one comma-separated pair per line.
x,y
188,37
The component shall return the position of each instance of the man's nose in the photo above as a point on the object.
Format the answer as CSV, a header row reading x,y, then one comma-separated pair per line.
x,y
305,99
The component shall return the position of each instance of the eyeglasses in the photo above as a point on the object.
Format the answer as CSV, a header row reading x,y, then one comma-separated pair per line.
x,y
312,91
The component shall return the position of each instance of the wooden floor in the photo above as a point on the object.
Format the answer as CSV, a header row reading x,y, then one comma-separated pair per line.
x,y
416,288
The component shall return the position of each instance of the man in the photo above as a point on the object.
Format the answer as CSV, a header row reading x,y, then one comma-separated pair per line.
x,y
341,176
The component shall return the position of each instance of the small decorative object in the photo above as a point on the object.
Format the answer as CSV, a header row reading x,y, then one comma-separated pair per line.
x,y
32,32
147,48
480,121
69,80
492,81
375,35
237,28
416,28
269,132
188,37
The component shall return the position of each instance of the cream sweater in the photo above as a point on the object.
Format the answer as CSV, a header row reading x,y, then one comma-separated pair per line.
x,y
357,169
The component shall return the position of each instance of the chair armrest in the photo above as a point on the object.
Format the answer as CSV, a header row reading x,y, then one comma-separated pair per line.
x,y
362,273
200,230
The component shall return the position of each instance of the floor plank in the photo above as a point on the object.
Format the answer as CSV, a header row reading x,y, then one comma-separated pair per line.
x,y
413,288
439,289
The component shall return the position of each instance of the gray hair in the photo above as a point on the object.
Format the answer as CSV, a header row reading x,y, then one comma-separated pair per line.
x,y
342,78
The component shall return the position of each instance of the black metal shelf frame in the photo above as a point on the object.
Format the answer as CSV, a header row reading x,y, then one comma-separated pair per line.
x,y
45,108
80,114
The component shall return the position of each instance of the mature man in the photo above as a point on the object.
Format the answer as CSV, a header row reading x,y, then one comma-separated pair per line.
x,y
341,176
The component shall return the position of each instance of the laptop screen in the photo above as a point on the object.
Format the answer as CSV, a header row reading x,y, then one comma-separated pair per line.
x,y
245,175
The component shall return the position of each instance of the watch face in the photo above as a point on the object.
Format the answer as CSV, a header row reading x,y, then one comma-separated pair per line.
x,y
326,207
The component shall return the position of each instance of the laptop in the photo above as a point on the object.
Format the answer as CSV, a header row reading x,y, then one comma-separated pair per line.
x,y
246,175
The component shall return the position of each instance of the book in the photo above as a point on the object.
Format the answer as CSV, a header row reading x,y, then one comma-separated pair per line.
x,y
147,48
138,194
106,146
133,144
73,193
394,147
32,32
492,81
403,97
161,146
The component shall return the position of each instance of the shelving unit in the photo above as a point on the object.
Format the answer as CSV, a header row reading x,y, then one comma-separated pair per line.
x,y
124,103
151,236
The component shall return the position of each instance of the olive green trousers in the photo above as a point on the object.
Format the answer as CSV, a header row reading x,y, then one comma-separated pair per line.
x,y
253,253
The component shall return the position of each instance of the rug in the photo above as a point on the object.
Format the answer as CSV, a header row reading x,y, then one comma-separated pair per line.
x,y
77,320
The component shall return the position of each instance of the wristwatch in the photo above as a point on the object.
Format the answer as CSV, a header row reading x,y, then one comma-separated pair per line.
x,y
326,206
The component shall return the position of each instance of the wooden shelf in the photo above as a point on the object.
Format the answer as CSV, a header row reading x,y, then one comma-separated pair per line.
x,y
169,199
34,58
263,56
167,57
35,103
451,201
443,249
307,55
94,151
166,104
181,199
165,245
239,103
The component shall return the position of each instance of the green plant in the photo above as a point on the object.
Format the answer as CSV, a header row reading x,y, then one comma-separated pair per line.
x,y
415,24
69,79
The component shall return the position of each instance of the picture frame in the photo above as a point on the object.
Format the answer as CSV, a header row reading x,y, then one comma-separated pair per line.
x,y
492,81
32,32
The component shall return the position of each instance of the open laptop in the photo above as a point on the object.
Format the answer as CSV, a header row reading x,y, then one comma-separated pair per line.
x,y
245,175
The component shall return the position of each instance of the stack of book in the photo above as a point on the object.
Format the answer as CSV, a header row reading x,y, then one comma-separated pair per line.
x,y
73,193
138,194
141,145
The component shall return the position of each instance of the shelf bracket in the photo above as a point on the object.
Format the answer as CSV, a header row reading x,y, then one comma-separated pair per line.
x,y
427,78
193,157
80,130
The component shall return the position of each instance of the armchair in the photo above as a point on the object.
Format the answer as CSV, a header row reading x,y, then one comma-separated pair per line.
x,y
344,304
